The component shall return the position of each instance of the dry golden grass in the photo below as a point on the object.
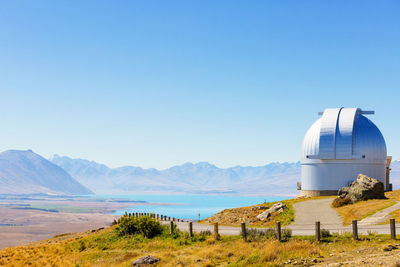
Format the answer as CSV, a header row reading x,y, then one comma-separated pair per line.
x,y
106,249
68,251
394,195
363,209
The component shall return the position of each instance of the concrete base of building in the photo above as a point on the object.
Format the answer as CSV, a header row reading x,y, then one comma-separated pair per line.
x,y
317,193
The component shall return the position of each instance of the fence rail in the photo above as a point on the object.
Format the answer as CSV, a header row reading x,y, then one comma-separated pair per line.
x,y
304,229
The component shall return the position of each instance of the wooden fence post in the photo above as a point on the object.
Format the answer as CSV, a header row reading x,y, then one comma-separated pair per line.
x,y
355,230
393,229
190,229
244,234
216,234
171,229
317,231
278,231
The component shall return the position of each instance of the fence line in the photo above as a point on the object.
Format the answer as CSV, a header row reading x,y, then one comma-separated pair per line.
x,y
318,227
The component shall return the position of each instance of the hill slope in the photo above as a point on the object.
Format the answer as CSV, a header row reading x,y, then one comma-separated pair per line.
x,y
25,172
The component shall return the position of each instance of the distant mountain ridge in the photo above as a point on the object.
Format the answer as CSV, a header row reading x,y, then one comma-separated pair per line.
x,y
271,179
25,172
202,177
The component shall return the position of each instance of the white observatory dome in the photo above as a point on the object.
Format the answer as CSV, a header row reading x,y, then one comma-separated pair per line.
x,y
340,145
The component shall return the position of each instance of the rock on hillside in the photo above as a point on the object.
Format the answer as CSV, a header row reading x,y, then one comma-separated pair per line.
x,y
25,172
363,188
277,207
278,211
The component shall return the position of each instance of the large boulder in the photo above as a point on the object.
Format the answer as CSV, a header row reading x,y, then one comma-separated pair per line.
x,y
363,188
277,207
146,260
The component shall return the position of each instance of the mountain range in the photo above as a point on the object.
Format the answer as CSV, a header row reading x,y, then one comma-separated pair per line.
x,y
25,172
202,177
271,179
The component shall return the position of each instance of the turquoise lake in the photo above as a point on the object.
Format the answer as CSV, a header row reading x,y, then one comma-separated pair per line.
x,y
189,206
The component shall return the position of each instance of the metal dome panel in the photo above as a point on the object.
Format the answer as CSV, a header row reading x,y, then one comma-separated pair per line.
x,y
328,133
344,133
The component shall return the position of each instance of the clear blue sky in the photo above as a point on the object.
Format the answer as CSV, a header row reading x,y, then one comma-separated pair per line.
x,y
159,83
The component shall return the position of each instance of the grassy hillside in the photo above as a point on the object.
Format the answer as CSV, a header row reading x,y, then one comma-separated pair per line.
x,y
236,216
108,248
363,209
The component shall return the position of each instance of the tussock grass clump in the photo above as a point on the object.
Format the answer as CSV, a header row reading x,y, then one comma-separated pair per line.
x,y
325,233
254,234
205,233
341,201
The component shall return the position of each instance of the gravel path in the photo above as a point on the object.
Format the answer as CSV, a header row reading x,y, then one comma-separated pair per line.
x,y
309,211
380,216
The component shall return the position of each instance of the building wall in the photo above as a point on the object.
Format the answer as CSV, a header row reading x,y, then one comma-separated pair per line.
x,y
334,176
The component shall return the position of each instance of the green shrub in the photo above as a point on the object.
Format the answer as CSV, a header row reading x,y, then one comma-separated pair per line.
x,y
254,234
82,246
205,233
325,233
145,226
286,234
339,201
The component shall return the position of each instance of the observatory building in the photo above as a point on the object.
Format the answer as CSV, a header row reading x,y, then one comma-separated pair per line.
x,y
338,146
